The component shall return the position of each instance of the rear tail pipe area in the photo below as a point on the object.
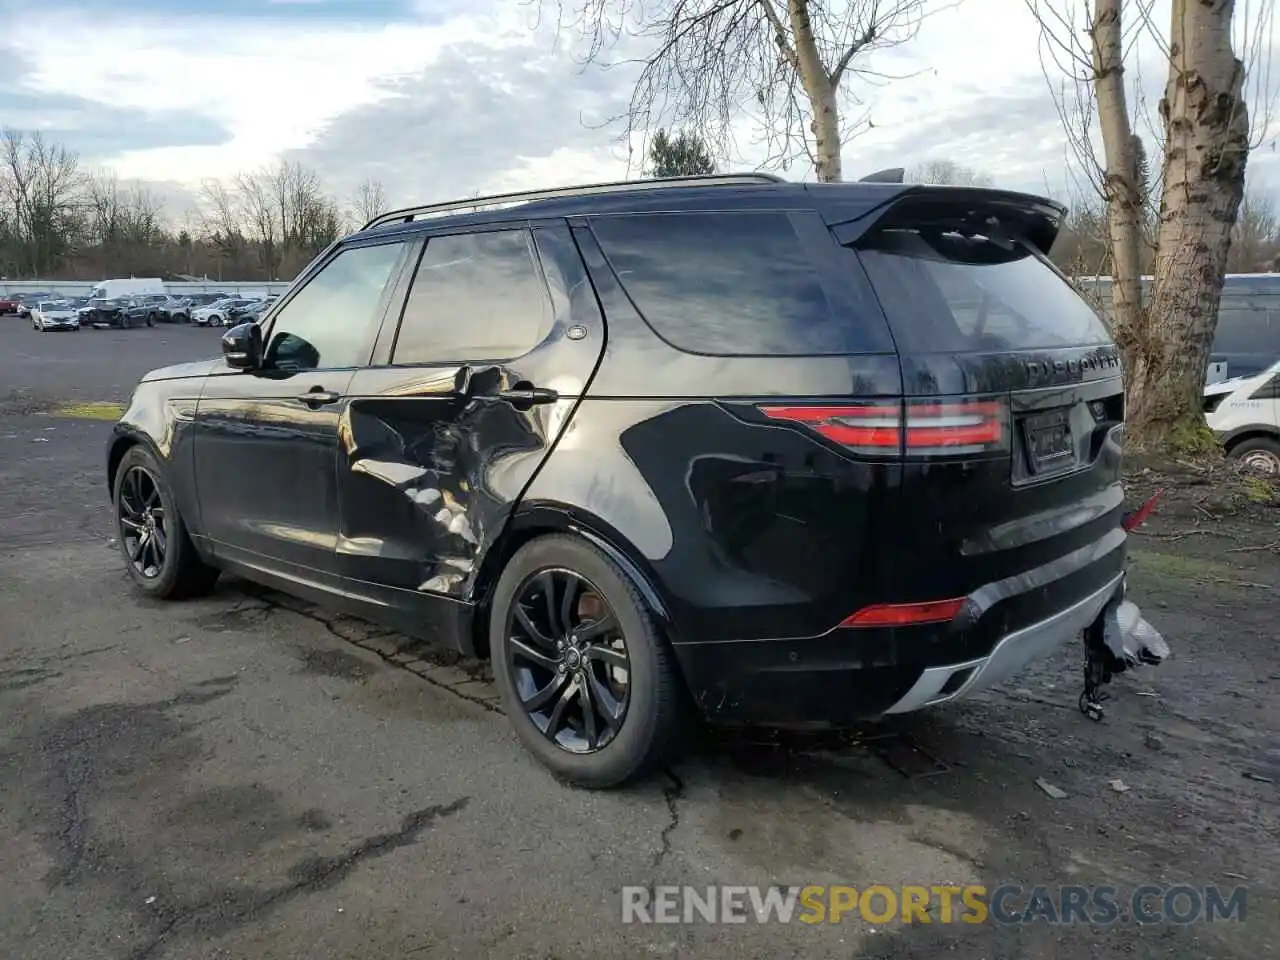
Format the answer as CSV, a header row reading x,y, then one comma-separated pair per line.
x,y
1121,637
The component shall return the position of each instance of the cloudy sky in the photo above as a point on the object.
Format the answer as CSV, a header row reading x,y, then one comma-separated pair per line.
x,y
441,98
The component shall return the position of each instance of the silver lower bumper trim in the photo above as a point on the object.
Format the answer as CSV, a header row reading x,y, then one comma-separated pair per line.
x,y
1008,657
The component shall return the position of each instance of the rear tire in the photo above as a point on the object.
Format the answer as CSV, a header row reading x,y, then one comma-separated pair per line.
x,y
176,571
1258,453
645,712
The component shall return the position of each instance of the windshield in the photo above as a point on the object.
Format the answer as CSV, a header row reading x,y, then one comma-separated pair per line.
x,y
945,292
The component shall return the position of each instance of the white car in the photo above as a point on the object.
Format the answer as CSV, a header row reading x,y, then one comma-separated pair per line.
x,y
1244,412
216,314
54,315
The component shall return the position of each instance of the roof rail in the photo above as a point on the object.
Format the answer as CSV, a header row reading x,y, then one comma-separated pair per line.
x,y
526,196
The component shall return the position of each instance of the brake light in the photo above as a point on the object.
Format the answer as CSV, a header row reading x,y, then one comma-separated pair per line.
x,y
915,427
905,614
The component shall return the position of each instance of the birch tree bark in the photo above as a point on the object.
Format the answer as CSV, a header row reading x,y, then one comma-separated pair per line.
x,y
1165,341
1119,181
1206,126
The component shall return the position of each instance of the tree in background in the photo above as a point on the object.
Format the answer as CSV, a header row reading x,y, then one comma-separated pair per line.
x,y
60,222
40,184
684,155
1204,127
368,201
792,59
948,172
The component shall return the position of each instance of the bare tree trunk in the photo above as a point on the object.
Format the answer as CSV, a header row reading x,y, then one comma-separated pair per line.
x,y
1119,185
1206,126
821,91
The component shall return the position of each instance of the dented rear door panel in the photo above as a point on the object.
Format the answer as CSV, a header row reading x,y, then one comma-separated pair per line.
x,y
432,460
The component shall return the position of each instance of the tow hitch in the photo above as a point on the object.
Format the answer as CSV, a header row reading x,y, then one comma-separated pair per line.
x,y
1120,638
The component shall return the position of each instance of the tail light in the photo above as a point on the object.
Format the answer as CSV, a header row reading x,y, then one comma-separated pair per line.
x,y
914,428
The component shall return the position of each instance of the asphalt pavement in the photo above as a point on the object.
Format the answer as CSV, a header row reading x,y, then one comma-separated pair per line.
x,y
249,776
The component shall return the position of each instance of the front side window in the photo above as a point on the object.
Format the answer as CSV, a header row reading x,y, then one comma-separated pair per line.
x,y
331,321
476,296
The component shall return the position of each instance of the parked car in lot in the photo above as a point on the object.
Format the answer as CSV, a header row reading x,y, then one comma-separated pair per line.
x,y
180,310
237,312
54,315
217,314
27,301
144,310
101,311
783,453
121,313
8,304
252,313
1246,339
1244,412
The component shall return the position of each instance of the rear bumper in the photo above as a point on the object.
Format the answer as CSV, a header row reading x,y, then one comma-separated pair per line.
x,y
847,675
1020,648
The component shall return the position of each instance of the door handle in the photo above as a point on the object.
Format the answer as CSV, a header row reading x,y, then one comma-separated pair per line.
x,y
319,396
528,396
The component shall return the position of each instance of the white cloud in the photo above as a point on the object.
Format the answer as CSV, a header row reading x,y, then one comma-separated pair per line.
x,y
476,98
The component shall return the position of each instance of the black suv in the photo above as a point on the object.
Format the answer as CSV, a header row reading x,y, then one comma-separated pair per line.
x,y
787,453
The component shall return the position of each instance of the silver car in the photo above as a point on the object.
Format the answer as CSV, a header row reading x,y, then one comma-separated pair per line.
x,y
54,315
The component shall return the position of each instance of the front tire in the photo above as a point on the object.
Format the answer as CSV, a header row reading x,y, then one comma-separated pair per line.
x,y
1258,453
158,552
586,677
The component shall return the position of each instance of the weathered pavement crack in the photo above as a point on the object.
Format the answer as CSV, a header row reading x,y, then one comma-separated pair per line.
x,y
225,910
672,793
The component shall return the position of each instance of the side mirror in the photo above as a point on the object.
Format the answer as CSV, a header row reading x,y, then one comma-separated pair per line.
x,y
242,347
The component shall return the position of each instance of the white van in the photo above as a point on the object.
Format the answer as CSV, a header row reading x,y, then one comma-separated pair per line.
x,y
133,287
1244,412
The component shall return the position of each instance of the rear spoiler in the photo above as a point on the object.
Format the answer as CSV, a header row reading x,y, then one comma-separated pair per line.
x,y
1035,219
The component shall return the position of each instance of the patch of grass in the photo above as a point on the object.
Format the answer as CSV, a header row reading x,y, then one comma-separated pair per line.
x,y
1172,566
98,410
1258,489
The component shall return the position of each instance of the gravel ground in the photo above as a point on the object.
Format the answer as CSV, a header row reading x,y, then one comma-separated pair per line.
x,y
247,776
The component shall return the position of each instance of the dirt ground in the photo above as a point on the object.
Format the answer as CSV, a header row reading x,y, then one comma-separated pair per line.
x,y
249,777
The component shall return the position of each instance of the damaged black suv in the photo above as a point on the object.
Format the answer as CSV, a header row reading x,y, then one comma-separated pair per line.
x,y
783,453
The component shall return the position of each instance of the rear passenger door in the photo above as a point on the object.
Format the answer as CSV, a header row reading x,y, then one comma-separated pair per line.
x,y
498,337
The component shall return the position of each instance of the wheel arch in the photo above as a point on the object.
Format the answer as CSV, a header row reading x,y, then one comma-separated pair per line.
x,y
1250,431
531,521
122,441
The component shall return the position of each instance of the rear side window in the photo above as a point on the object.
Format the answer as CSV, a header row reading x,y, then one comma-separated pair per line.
x,y
946,292
476,296
725,284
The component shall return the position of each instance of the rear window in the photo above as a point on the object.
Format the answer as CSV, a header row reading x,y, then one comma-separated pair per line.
x,y
727,284
947,292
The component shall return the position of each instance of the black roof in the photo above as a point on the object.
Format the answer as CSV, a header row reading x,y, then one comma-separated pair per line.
x,y
840,202
759,196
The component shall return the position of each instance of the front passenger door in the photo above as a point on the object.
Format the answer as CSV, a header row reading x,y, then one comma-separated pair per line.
x,y
266,441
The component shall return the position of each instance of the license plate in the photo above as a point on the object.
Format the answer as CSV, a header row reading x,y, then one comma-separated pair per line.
x,y
1049,438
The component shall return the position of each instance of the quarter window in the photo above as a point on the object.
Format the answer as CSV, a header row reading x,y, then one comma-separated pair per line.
x,y
727,284
476,296
331,322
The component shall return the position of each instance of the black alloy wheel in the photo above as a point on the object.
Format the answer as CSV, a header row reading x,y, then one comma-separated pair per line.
x,y
141,517
569,660
162,560
587,678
